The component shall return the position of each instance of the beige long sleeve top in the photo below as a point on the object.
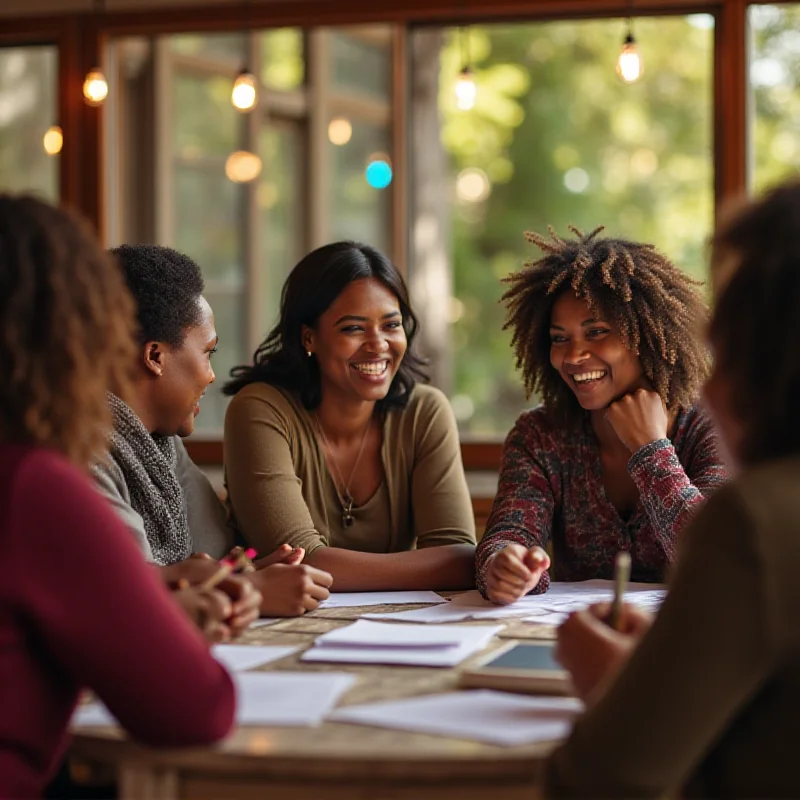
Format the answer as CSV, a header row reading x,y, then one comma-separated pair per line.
x,y
709,703
280,489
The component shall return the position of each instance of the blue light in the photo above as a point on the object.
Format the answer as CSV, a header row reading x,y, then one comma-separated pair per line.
x,y
378,174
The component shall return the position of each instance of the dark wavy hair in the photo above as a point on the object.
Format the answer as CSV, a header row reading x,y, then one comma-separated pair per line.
x,y
67,331
312,286
755,328
657,310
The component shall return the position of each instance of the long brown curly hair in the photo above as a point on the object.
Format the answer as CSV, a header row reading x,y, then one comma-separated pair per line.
x,y
66,330
657,310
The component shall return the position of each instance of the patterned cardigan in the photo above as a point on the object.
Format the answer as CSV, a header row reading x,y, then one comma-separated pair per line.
x,y
551,486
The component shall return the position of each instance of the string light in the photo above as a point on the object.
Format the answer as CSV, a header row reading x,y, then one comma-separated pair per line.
x,y
629,63
340,131
466,90
95,85
242,166
244,94
53,140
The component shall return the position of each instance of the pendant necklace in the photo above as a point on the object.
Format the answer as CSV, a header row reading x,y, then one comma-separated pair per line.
x,y
345,498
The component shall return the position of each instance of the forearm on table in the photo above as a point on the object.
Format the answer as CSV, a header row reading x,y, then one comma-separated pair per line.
x,y
434,568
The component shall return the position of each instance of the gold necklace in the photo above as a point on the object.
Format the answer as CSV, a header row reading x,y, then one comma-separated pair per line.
x,y
346,499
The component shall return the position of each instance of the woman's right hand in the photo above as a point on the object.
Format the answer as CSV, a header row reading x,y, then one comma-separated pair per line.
x,y
208,609
289,590
513,572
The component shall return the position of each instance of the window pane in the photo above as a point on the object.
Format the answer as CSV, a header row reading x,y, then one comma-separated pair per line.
x,y
358,210
282,59
556,137
279,197
360,65
204,121
227,47
28,107
774,76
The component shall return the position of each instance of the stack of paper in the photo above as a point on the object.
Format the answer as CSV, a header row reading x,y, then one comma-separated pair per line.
x,y
263,698
351,599
550,608
367,642
238,657
485,715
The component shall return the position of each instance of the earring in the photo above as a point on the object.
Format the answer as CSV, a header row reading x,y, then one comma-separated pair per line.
x,y
309,353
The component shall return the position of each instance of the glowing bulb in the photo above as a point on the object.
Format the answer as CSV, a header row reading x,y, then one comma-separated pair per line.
x,y
465,90
53,140
244,94
95,87
340,130
242,166
629,64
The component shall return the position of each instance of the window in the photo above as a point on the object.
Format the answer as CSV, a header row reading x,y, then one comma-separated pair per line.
x,y
28,107
775,100
175,131
557,138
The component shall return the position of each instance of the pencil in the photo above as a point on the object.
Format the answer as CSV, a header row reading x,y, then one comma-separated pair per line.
x,y
622,571
225,569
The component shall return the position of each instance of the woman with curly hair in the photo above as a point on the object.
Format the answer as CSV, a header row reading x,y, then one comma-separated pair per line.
x,y
79,607
617,457
334,444
703,700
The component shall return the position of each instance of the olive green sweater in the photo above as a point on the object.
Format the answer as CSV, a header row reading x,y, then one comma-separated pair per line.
x,y
280,489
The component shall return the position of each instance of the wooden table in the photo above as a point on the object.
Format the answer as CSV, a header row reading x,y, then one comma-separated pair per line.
x,y
335,761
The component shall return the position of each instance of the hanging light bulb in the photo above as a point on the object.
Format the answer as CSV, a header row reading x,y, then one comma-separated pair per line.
x,y
53,140
95,87
629,63
242,166
244,95
466,91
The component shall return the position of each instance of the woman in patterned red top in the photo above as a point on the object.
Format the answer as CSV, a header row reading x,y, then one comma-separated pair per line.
x,y
617,457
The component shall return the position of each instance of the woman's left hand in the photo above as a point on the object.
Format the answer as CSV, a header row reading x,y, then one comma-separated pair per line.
x,y
638,418
591,651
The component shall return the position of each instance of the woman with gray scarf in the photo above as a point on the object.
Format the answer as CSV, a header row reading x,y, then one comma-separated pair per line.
x,y
165,500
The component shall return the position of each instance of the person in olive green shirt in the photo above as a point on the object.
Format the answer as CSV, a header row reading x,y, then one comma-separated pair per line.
x,y
333,444
706,701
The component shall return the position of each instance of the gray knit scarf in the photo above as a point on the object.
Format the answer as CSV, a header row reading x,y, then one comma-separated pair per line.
x,y
147,462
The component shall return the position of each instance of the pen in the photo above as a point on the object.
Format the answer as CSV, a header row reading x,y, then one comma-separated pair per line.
x,y
238,559
622,571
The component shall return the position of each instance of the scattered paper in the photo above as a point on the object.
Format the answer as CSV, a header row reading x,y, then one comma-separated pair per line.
x,y
471,639
485,715
238,657
353,599
263,698
264,621
364,633
288,698
560,599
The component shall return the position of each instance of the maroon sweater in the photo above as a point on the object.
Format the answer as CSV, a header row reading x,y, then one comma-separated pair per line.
x,y
79,607
551,486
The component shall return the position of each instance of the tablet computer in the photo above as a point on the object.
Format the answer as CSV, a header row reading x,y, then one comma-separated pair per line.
x,y
528,668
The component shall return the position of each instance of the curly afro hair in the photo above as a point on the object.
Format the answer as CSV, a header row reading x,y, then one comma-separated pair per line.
x,y
166,286
657,310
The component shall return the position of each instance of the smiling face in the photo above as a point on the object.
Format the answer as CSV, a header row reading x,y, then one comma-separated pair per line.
x,y
359,341
186,373
589,354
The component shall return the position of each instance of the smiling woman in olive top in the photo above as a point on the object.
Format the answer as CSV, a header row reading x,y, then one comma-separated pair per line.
x,y
334,445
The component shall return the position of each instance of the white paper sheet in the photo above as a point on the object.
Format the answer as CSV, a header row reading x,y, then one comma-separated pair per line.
x,y
263,698
353,599
473,639
264,621
364,633
560,598
288,698
238,657
485,715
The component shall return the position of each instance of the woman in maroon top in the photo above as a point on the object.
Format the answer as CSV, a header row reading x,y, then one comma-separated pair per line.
x,y
617,457
79,607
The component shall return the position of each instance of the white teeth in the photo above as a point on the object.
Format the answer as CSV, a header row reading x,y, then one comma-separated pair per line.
x,y
372,368
584,377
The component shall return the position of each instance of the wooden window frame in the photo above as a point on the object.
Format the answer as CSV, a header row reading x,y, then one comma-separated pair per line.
x,y
80,38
